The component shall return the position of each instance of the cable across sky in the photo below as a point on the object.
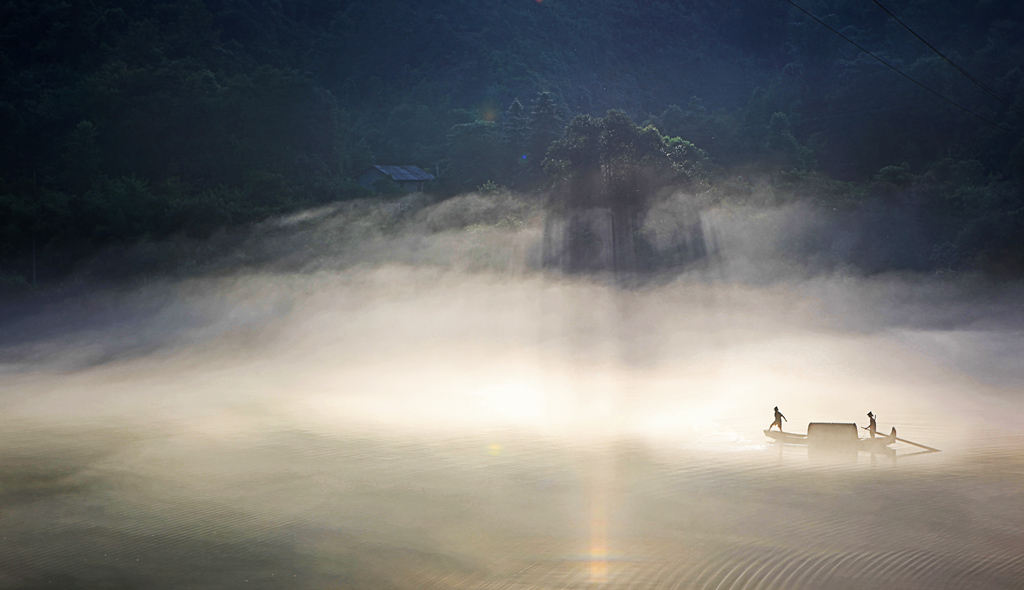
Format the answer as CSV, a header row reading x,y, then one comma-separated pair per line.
x,y
956,66
901,73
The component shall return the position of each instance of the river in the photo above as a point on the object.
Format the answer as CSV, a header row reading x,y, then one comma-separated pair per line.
x,y
397,426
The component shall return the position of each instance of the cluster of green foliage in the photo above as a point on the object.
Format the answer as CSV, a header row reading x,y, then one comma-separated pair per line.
x,y
508,153
611,162
125,120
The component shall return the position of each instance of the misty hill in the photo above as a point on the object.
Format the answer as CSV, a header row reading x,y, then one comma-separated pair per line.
x,y
126,120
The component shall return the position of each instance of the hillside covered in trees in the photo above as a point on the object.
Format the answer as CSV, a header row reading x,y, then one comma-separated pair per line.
x,y
125,120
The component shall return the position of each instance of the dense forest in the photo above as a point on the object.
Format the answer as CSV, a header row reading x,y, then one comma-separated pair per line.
x,y
128,120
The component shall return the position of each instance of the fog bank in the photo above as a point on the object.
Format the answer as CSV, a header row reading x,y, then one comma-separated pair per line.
x,y
376,396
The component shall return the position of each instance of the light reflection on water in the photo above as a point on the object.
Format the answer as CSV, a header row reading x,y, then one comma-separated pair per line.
x,y
373,448
95,504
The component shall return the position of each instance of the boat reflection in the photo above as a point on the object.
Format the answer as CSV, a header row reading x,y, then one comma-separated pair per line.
x,y
839,442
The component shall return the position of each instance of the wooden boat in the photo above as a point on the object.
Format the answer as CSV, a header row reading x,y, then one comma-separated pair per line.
x,y
834,436
789,438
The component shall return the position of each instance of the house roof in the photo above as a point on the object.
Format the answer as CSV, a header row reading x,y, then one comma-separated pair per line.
x,y
399,173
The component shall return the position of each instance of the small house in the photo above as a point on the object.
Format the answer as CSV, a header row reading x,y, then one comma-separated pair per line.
x,y
408,178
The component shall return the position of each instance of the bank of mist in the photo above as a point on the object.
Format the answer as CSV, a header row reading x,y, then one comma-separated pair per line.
x,y
406,393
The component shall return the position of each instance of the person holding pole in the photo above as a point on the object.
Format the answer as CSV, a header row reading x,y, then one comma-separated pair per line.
x,y
778,419
872,426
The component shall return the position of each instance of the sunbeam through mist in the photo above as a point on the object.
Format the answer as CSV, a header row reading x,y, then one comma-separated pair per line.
x,y
402,413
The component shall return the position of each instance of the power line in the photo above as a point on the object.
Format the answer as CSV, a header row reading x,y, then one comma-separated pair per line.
x,y
951,62
893,68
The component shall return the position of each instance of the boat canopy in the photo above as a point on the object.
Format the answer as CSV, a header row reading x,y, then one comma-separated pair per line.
x,y
832,432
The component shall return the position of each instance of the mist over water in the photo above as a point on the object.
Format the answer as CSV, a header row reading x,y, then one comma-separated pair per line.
x,y
394,395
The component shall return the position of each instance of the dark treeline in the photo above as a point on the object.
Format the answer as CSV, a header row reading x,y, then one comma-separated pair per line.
x,y
126,120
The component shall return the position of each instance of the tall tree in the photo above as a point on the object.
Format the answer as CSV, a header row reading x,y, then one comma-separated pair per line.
x,y
612,164
514,135
475,155
545,126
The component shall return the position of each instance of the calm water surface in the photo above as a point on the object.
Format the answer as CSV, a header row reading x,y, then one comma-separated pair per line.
x,y
222,441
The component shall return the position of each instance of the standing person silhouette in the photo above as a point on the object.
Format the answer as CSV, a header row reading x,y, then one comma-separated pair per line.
x,y
871,427
778,419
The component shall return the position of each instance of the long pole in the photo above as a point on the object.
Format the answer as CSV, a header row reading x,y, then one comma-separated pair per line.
x,y
903,440
910,442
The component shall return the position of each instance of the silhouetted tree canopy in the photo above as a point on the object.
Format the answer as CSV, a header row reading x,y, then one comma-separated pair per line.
x,y
611,162
126,120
